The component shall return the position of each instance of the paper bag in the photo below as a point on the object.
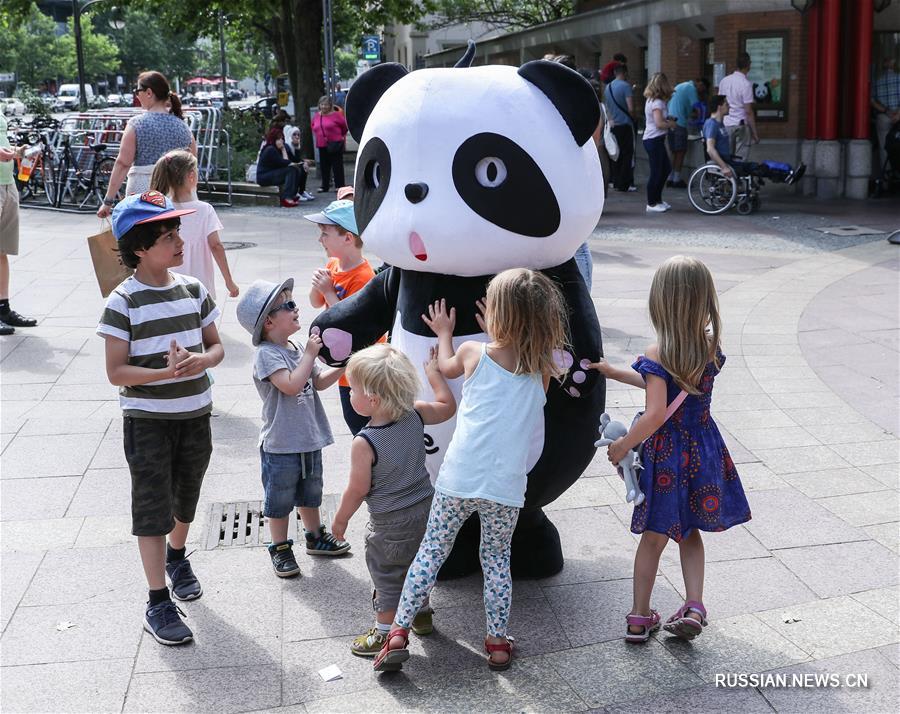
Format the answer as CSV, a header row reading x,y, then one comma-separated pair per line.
x,y
108,266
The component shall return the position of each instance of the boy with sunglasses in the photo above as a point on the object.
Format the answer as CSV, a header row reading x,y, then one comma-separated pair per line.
x,y
295,428
161,339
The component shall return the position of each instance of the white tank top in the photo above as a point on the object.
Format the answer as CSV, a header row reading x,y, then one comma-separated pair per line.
x,y
500,415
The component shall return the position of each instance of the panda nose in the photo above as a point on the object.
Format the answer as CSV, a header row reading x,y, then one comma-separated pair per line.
x,y
416,192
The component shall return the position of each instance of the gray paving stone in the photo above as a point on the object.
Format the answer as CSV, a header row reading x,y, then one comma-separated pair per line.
x,y
865,509
40,534
801,458
584,493
708,699
102,492
736,587
888,474
888,534
823,417
63,425
734,544
869,453
226,689
775,437
595,612
735,644
232,628
469,592
847,433
764,419
71,577
105,531
26,456
891,653
832,482
786,518
595,545
879,696
756,476
16,571
102,631
27,498
842,568
827,628
97,686
614,671
26,392
110,454
884,601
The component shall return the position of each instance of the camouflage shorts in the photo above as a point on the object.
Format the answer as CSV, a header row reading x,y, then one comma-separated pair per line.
x,y
167,459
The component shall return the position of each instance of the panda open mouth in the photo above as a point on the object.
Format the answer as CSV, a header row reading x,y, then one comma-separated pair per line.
x,y
417,246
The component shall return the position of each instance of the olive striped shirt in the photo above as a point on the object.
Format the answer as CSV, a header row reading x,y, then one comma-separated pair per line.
x,y
149,318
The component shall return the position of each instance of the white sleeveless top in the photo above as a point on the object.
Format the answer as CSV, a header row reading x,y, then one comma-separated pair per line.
x,y
499,415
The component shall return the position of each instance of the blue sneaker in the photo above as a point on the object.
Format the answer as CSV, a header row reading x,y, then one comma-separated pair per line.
x,y
163,621
323,543
185,585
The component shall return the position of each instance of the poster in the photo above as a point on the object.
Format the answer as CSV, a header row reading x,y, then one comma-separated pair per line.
x,y
767,68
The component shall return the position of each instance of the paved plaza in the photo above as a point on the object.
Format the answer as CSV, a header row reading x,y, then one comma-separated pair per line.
x,y
808,403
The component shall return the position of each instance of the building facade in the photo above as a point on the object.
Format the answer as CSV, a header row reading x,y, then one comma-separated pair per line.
x,y
811,69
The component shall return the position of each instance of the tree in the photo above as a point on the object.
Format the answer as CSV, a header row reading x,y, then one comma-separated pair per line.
x,y
101,56
501,14
30,47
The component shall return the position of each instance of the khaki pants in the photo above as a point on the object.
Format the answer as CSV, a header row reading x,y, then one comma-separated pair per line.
x,y
9,219
740,141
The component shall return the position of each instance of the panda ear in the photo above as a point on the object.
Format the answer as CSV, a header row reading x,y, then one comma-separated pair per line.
x,y
366,91
571,94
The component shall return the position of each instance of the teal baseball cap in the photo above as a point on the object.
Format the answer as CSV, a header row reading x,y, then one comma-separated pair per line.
x,y
146,207
336,213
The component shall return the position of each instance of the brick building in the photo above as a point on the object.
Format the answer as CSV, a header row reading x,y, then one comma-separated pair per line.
x,y
812,68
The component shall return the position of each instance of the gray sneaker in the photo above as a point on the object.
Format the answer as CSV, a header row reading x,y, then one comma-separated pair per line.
x,y
185,585
164,622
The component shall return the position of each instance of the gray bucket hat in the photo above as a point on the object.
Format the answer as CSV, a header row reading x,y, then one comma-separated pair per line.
x,y
257,303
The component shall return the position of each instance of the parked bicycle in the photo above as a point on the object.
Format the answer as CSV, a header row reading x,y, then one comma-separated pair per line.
x,y
80,180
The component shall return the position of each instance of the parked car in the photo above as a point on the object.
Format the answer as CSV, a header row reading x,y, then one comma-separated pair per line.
x,y
12,106
68,96
114,100
267,106
235,95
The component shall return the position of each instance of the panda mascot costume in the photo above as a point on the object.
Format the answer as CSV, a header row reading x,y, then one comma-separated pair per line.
x,y
462,173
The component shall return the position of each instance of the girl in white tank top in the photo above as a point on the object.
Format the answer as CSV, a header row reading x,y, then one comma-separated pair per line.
x,y
484,469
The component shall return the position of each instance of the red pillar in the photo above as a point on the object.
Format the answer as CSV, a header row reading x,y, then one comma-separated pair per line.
x,y
861,52
828,89
812,73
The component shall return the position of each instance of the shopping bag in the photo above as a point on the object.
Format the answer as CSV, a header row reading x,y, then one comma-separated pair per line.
x,y
108,266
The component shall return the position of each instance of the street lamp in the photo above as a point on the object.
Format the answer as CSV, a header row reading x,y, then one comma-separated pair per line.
x,y
77,7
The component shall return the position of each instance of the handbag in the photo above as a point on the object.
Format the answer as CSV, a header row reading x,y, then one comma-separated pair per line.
x,y
108,266
609,139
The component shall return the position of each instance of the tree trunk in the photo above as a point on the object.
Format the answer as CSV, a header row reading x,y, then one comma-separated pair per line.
x,y
305,67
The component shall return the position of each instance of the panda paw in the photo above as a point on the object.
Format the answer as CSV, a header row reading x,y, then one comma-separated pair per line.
x,y
578,381
338,342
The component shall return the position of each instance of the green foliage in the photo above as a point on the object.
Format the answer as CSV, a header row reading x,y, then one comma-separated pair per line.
x,y
30,47
33,103
101,56
345,63
245,131
501,14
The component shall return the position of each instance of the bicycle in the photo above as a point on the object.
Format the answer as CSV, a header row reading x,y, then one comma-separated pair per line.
x,y
41,177
74,185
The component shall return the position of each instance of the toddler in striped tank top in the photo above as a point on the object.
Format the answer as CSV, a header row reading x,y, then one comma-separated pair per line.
x,y
387,471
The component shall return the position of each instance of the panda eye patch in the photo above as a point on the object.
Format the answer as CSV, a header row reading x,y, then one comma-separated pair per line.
x,y
503,184
372,181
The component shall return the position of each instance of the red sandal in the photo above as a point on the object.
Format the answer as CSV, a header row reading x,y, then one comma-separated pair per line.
x,y
491,647
686,627
649,623
391,660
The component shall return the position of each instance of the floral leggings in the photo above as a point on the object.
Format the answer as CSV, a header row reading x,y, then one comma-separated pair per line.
x,y
447,515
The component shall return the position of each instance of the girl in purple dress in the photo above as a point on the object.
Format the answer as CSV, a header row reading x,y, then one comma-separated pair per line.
x,y
689,478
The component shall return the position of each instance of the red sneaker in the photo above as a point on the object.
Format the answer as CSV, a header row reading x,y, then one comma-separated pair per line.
x,y
289,203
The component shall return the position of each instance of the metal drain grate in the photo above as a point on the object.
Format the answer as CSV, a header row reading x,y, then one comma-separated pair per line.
x,y
845,231
242,523
237,244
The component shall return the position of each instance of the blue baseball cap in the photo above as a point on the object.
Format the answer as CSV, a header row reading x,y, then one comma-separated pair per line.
x,y
336,213
146,207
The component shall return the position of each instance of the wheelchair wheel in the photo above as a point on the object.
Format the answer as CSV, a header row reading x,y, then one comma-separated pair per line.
x,y
744,207
710,191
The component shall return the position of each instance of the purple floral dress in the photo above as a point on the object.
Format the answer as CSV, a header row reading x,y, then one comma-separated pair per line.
x,y
689,478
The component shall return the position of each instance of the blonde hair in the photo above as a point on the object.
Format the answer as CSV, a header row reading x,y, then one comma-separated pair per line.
x,y
526,311
658,87
684,310
171,171
385,372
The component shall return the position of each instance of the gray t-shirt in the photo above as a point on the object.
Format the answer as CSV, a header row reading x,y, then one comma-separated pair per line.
x,y
291,425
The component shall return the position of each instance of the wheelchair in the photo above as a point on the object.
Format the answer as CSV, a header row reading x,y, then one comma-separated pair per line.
x,y
712,192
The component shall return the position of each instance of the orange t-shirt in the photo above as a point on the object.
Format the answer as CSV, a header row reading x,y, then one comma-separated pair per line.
x,y
347,282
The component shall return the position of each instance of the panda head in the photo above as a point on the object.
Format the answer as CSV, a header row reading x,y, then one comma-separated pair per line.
x,y
471,170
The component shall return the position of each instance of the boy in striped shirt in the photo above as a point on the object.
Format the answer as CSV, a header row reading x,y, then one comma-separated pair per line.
x,y
161,338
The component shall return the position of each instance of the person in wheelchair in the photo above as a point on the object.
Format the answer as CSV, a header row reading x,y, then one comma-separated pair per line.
x,y
718,148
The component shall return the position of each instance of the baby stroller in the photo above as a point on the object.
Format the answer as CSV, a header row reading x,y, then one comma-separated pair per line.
x,y
890,170
712,192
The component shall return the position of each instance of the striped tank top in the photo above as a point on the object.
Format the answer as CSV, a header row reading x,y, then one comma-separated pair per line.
x,y
399,478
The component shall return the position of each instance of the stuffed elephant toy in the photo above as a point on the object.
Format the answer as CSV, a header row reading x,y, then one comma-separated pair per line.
x,y
630,466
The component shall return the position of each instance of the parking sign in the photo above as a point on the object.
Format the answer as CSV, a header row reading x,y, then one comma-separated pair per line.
x,y
371,47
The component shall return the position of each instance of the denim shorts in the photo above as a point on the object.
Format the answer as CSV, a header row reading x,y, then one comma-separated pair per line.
x,y
678,139
291,480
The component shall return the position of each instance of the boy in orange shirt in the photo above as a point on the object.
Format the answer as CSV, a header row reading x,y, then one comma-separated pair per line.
x,y
345,273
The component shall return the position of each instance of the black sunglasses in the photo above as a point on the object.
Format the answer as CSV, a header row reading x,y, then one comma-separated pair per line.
x,y
289,305
139,89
